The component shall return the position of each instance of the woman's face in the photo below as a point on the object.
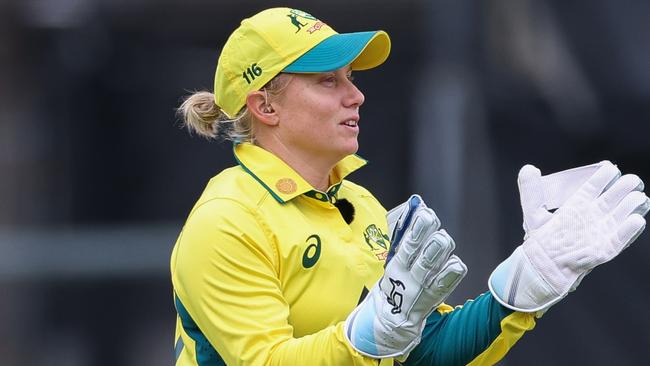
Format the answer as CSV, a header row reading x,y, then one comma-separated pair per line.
x,y
319,115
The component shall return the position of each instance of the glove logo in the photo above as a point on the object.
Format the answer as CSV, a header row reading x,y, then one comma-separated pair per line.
x,y
395,298
310,257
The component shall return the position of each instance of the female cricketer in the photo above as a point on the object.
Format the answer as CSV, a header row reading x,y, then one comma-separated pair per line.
x,y
283,261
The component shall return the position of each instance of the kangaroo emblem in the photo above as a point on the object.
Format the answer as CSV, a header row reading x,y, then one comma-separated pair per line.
x,y
296,22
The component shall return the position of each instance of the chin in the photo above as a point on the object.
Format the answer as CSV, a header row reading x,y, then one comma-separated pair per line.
x,y
341,150
343,153
351,148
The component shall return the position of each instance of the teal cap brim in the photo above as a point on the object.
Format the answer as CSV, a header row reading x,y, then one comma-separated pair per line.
x,y
340,50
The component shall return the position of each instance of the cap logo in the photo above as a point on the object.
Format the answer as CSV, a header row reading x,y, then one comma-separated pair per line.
x,y
315,27
286,185
302,14
294,14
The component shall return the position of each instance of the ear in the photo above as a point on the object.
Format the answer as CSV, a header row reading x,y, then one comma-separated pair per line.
x,y
258,104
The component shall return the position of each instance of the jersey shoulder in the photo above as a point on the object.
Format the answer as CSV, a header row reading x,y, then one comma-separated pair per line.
x,y
233,184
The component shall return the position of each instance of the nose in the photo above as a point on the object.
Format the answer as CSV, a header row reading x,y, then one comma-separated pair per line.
x,y
354,97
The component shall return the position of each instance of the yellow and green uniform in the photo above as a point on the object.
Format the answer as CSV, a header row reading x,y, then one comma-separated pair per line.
x,y
266,270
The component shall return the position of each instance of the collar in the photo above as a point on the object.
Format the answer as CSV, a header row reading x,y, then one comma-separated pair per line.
x,y
284,183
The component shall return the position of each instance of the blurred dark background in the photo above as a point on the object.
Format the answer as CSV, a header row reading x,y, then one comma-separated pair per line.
x,y
96,176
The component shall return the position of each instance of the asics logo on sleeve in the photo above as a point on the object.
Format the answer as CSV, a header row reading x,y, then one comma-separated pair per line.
x,y
312,253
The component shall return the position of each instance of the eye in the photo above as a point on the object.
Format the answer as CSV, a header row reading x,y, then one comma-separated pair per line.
x,y
329,79
350,77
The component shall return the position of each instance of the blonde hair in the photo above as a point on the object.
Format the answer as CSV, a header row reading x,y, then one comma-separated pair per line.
x,y
201,115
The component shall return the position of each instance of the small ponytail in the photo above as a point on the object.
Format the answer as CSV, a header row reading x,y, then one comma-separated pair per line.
x,y
201,115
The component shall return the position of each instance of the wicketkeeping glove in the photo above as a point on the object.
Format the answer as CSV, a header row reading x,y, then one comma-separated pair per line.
x,y
600,214
420,273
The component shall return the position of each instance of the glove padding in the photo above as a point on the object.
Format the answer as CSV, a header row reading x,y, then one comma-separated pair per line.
x,y
420,273
600,214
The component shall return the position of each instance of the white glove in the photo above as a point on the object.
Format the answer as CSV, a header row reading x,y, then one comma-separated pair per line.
x,y
418,278
600,214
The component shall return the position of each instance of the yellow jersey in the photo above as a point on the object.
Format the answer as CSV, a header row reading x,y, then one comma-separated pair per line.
x,y
266,269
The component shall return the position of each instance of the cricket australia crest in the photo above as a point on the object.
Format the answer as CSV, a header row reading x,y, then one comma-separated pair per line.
x,y
377,241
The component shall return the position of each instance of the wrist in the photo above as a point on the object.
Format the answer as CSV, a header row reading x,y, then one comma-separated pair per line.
x,y
517,285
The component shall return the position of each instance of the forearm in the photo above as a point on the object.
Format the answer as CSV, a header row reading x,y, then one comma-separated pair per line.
x,y
323,348
244,345
480,332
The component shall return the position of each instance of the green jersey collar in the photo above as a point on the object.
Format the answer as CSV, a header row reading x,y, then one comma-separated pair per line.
x,y
282,182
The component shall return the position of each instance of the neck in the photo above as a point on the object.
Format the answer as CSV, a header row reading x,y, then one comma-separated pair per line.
x,y
313,169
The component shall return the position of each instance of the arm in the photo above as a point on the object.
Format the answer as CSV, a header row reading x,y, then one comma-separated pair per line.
x,y
225,276
592,226
480,332
593,223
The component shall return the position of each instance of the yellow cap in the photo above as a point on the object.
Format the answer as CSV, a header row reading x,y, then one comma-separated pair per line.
x,y
288,40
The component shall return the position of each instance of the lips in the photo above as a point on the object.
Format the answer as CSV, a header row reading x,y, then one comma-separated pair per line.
x,y
352,122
